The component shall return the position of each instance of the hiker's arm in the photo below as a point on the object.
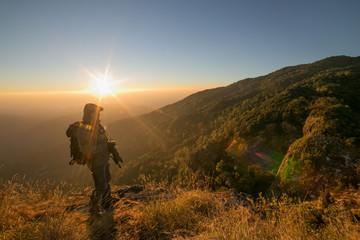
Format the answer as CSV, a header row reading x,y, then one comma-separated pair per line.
x,y
87,146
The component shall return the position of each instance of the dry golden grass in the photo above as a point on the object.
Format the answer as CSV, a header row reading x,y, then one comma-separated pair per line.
x,y
186,214
279,220
34,210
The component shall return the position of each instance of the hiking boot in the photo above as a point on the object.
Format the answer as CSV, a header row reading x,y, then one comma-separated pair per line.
x,y
94,210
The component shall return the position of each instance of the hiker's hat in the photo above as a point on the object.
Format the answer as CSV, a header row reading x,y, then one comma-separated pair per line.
x,y
91,108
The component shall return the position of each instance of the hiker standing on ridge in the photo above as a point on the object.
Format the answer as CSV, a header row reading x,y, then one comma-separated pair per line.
x,y
95,147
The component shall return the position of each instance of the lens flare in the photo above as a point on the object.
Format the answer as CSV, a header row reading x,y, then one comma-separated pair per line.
x,y
103,87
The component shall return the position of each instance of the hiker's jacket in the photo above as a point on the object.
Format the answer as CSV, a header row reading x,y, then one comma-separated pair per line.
x,y
92,141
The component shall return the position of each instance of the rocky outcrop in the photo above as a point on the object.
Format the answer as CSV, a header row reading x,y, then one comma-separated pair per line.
x,y
323,157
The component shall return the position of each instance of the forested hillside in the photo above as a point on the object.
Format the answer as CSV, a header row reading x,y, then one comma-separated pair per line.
x,y
305,118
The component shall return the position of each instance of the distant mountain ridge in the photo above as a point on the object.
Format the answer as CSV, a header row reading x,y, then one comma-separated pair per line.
x,y
233,133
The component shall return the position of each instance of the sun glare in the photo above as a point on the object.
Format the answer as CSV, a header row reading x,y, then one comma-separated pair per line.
x,y
103,87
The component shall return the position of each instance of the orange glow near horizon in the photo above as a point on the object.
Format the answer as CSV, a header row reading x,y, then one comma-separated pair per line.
x,y
102,89
92,92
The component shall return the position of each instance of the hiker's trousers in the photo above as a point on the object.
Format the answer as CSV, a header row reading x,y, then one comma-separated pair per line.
x,y
100,170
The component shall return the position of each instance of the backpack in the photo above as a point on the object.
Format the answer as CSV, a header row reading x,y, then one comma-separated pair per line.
x,y
75,153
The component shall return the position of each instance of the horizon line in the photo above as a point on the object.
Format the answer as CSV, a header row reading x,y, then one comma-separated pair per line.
x,y
90,92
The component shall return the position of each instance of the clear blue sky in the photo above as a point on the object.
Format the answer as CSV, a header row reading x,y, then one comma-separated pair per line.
x,y
167,43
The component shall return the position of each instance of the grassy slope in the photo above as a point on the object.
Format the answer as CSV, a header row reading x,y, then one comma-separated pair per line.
x,y
47,211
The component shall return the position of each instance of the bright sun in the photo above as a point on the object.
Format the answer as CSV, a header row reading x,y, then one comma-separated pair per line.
x,y
103,87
